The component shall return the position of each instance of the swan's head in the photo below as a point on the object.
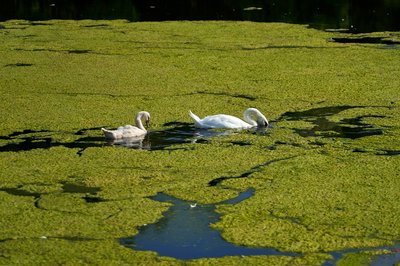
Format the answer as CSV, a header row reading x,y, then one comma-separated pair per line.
x,y
144,115
261,120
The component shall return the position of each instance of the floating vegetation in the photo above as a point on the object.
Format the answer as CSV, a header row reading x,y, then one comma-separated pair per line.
x,y
325,178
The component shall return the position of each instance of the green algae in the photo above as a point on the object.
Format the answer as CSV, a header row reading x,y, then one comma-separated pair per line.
x,y
62,77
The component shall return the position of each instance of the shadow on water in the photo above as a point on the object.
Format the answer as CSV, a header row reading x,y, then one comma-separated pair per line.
x,y
184,232
351,128
27,140
324,127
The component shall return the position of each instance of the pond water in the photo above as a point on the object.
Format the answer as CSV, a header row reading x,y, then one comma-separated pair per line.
x,y
391,257
350,15
184,232
174,133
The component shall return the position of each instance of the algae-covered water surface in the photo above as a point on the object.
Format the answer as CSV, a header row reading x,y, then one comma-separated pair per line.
x,y
324,174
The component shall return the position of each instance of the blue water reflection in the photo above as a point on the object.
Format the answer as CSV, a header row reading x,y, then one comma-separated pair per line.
x,y
184,232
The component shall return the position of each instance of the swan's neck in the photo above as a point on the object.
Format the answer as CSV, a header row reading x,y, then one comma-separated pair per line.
x,y
138,121
247,117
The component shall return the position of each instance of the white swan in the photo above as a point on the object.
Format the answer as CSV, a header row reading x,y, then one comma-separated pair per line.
x,y
228,121
129,131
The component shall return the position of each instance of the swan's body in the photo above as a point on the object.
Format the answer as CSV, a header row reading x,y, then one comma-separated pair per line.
x,y
228,121
129,131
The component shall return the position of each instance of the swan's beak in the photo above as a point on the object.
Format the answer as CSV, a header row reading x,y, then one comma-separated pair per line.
x,y
147,122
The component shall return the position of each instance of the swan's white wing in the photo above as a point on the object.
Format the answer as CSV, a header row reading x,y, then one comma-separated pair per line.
x,y
131,131
223,121
127,131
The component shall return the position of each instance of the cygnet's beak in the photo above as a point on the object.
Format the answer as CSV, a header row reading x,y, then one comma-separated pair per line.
x,y
147,122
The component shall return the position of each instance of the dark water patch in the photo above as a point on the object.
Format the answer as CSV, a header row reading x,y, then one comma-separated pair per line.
x,y
364,40
27,140
19,65
169,138
351,128
369,16
254,169
179,133
184,232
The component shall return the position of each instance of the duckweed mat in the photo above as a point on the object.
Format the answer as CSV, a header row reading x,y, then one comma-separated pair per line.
x,y
324,173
